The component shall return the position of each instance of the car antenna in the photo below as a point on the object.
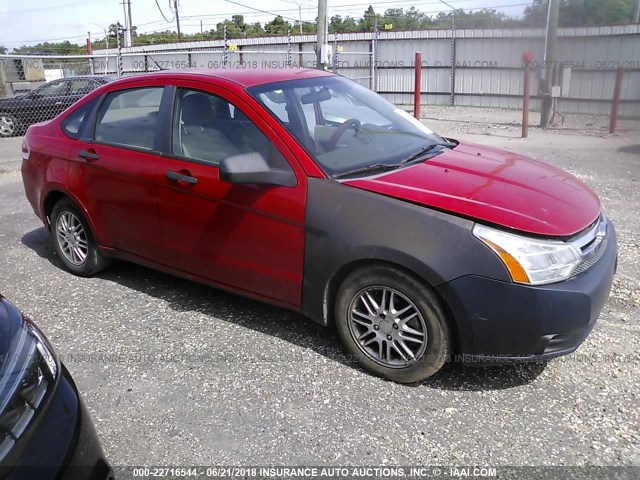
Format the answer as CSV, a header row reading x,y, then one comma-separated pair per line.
x,y
153,60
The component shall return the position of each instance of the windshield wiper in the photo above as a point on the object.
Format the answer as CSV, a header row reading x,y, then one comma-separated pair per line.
x,y
383,167
426,150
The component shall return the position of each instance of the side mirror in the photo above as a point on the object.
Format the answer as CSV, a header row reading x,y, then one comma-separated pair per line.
x,y
253,168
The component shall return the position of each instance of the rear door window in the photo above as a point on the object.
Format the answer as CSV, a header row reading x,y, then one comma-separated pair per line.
x,y
129,118
72,125
82,87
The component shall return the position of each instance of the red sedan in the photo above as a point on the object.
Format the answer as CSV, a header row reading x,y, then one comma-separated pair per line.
x,y
306,190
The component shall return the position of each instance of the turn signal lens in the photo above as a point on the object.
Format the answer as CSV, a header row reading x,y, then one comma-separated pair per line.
x,y
515,269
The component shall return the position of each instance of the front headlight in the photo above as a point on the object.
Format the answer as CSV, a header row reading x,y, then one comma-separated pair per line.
x,y
27,375
530,260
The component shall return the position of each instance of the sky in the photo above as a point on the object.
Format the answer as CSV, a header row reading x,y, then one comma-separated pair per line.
x,y
37,21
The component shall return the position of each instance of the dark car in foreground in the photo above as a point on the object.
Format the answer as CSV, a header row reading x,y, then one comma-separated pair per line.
x,y
45,102
308,191
45,429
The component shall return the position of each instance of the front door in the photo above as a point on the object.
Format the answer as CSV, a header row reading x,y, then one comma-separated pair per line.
x,y
248,237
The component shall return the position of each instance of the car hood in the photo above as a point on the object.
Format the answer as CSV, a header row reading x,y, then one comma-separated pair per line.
x,y
12,99
493,186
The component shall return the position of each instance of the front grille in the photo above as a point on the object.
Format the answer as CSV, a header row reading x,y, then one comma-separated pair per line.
x,y
589,261
591,245
29,391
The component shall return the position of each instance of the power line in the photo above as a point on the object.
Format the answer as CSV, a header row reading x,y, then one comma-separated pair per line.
x,y
264,11
162,13
274,12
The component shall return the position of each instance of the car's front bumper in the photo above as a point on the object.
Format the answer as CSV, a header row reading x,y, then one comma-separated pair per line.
x,y
64,444
499,322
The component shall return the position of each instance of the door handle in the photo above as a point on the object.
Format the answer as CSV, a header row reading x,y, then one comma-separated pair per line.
x,y
89,156
180,177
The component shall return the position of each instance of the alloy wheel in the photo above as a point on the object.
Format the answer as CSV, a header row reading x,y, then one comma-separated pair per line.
x,y
387,326
7,126
72,238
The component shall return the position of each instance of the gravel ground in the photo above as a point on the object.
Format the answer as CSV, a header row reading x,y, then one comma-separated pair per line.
x,y
178,373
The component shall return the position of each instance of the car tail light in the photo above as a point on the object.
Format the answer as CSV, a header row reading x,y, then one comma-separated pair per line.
x,y
25,149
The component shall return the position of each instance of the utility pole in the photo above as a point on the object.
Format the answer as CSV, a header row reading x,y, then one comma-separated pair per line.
x,y
175,7
130,31
636,12
550,44
300,16
321,46
128,25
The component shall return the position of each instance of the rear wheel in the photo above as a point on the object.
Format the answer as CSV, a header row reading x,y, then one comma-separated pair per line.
x,y
8,125
73,240
393,323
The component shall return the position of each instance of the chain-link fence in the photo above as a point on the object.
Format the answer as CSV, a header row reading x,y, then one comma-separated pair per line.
x,y
38,88
35,89
481,68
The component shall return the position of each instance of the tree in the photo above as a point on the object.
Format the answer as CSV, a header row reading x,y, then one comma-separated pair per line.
x,y
335,24
484,18
277,26
233,30
576,13
412,19
368,20
3,50
46,48
308,27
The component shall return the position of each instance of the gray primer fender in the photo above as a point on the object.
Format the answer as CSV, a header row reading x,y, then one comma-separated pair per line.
x,y
346,224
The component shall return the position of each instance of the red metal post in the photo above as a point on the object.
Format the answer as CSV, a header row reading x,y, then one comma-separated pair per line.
x,y
613,121
527,58
417,86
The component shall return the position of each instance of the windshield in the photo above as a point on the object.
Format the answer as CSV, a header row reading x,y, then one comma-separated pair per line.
x,y
344,126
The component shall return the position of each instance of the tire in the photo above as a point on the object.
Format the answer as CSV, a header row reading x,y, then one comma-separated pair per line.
x,y
8,125
416,319
73,240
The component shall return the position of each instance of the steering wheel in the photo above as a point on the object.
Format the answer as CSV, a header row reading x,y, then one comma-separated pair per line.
x,y
333,141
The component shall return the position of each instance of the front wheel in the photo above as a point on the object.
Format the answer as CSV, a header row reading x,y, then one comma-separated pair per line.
x,y
393,323
73,240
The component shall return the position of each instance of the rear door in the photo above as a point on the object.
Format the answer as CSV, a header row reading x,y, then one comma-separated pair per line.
x,y
113,172
249,237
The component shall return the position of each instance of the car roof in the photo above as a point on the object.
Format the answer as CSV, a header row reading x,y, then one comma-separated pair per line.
x,y
107,78
94,77
246,77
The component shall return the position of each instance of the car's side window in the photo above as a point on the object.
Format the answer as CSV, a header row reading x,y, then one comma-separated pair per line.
x,y
72,125
129,117
53,89
79,87
208,129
